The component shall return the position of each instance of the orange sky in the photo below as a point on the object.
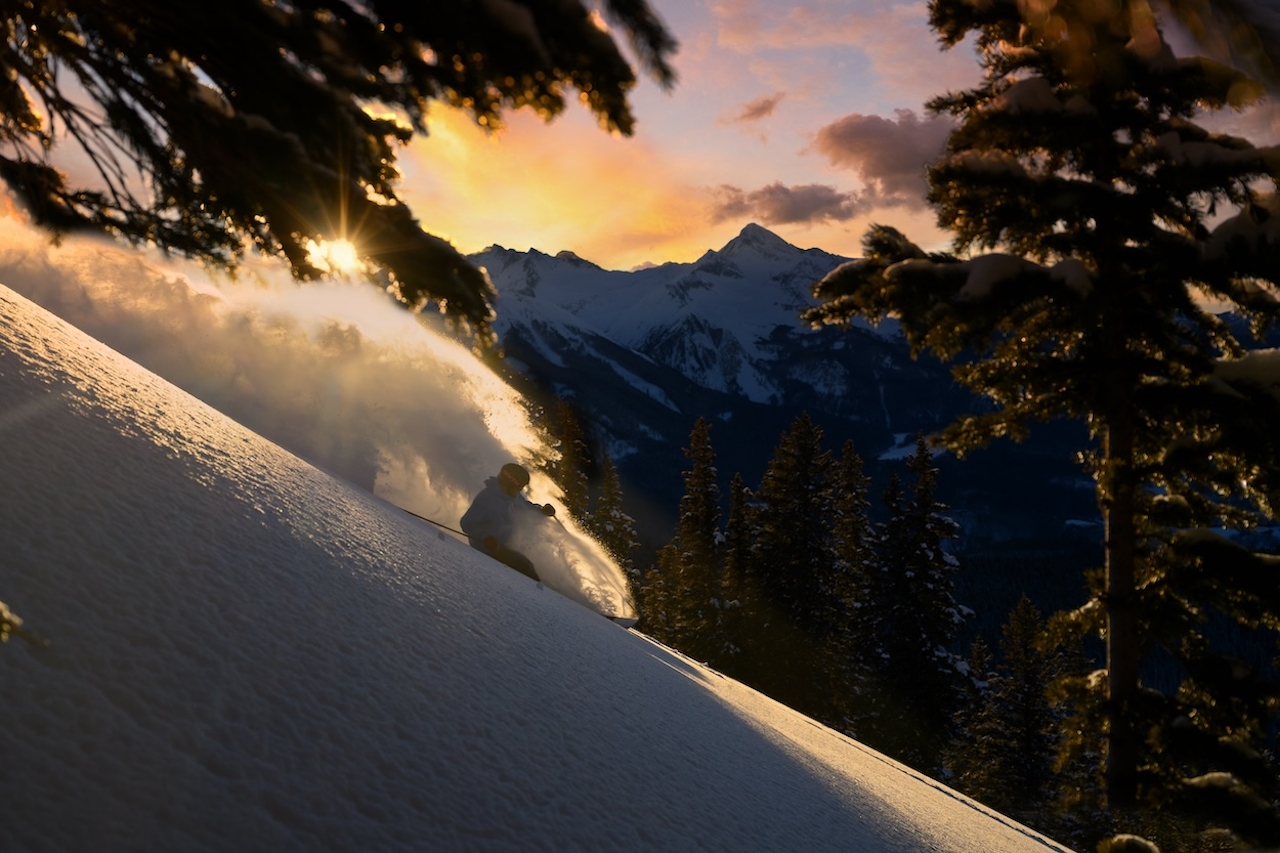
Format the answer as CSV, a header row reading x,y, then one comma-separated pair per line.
x,y
736,141
805,117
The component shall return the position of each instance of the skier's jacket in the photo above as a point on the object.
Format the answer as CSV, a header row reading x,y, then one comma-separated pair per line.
x,y
493,513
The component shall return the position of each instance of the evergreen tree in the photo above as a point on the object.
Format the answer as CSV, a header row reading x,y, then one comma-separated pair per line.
x,y
966,756
688,569
793,545
852,534
848,667
1012,738
610,524
210,128
1079,158
915,618
570,472
789,567
737,592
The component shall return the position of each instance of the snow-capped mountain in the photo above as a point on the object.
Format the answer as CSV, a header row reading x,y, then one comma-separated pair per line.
x,y
645,353
719,321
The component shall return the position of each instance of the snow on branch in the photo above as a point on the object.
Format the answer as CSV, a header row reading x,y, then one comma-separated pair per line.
x,y
982,275
1036,96
1249,226
986,163
1260,368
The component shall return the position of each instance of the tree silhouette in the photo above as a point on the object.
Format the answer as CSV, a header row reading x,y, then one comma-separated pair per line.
x,y
912,617
610,524
207,129
1008,759
687,575
570,469
1110,210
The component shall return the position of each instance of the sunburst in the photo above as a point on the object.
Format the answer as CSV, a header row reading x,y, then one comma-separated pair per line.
x,y
337,256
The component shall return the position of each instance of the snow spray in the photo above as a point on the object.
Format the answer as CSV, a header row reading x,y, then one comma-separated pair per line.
x,y
334,372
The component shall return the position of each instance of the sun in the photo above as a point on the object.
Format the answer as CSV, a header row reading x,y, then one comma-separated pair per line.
x,y
338,256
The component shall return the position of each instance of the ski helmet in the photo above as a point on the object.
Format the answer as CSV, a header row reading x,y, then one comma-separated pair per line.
x,y
515,473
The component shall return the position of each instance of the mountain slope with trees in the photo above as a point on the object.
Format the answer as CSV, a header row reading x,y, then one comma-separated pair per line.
x,y
643,355
1089,211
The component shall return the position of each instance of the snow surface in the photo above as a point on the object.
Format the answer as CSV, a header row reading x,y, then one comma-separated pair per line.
x,y
247,653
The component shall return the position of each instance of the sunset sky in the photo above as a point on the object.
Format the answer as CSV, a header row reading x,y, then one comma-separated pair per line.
x,y
804,117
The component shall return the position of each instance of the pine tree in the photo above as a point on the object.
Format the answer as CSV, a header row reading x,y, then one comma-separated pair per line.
x,y
738,595
570,472
851,529
210,128
688,569
1078,158
915,618
967,756
932,532
610,524
848,666
1013,735
793,547
789,567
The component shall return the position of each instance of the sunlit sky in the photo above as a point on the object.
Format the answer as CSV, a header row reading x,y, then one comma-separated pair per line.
x,y
804,117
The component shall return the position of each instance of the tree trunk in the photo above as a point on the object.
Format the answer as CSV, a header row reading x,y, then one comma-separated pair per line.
x,y
1118,511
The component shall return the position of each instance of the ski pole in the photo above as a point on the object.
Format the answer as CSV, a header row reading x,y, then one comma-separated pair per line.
x,y
433,521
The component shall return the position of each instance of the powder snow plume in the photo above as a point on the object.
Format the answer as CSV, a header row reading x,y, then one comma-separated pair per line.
x,y
334,372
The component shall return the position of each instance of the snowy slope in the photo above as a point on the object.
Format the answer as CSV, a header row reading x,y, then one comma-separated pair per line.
x,y
249,654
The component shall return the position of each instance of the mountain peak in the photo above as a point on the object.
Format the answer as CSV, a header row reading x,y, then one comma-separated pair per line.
x,y
758,240
575,259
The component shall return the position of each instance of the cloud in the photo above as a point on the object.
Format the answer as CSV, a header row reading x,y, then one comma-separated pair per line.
x,y
751,25
762,107
889,155
893,38
777,204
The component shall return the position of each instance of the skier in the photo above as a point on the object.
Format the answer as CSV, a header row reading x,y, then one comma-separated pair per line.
x,y
491,519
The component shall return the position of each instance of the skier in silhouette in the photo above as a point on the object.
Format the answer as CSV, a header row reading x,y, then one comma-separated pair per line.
x,y
492,518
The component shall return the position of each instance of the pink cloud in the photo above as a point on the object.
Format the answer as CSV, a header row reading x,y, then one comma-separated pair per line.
x,y
760,108
905,58
889,155
777,204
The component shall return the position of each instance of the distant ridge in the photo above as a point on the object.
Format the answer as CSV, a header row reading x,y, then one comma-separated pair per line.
x,y
643,354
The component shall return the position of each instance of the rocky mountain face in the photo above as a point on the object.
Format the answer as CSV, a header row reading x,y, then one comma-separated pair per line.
x,y
643,354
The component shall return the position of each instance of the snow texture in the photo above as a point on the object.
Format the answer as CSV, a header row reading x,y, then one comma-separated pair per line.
x,y
247,653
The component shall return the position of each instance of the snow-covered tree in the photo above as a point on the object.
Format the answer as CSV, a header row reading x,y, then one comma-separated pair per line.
x,y
610,524
849,667
570,470
1091,213
852,532
211,128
